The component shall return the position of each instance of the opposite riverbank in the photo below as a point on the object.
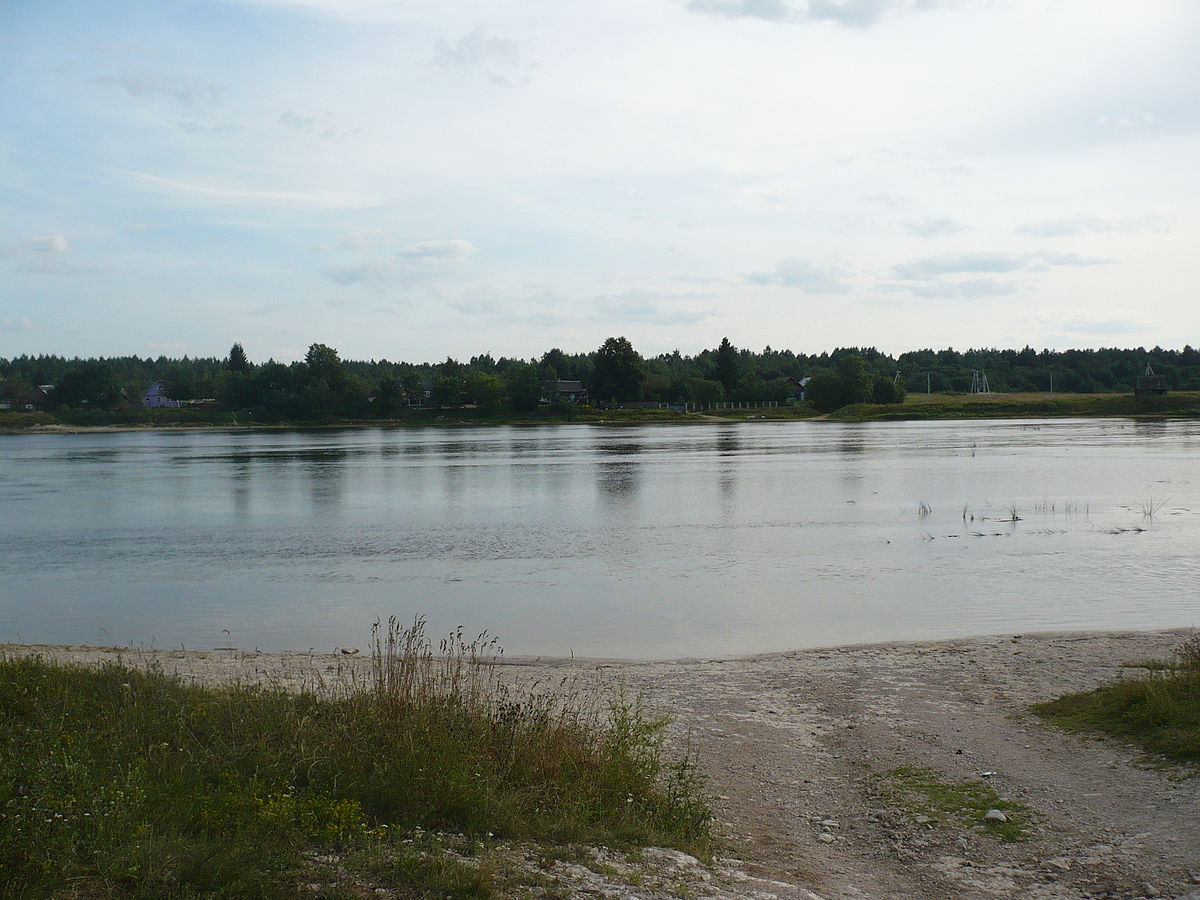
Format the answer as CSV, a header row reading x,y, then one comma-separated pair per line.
x,y
916,407
837,772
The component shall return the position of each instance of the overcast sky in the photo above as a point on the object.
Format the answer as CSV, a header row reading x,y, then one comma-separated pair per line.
x,y
410,180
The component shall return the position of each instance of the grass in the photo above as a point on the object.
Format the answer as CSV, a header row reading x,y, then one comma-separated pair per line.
x,y
1159,712
120,782
924,792
999,406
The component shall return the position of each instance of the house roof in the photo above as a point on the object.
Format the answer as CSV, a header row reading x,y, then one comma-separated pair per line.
x,y
567,387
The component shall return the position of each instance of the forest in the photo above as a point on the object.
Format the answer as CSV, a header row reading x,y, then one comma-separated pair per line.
x,y
323,385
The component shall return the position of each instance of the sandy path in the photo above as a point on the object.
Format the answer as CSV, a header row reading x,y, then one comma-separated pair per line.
x,y
793,740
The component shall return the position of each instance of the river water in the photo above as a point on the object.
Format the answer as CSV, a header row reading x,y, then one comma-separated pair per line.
x,y
635,542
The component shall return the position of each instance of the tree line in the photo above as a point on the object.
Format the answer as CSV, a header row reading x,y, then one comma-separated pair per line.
x,y
325,385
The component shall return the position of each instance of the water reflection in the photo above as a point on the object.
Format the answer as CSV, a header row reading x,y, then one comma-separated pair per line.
x,y
617,481
242,471
727,446
326,474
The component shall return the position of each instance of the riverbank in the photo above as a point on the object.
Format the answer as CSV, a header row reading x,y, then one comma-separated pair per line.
x,y
823,764
916,407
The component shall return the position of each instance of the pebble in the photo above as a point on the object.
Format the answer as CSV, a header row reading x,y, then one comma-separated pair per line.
x,y
830,823
922,820
994,815
825,837
1151,891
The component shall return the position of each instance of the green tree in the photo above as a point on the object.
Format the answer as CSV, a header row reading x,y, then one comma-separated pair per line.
x,y
857,382
323,362
450,385
825,392
92,384
237,361
728,368
179,383
618,372
888,390
485,390
524,387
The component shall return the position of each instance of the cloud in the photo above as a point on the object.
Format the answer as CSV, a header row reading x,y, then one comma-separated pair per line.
x,y
1084,224
317,198
474,49
413,264
47,243
184,91
644,306
453,251
323,126
378,274
971,289
954,263
929,267
1053,258
803,274
931,227
498,58
850,13
1097,321
21,323
361,240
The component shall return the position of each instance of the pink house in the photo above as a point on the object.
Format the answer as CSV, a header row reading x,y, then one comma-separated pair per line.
x,y
155,398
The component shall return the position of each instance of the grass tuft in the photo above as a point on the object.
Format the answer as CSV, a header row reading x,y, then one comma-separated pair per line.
x,y
925,792
1160,711
115,781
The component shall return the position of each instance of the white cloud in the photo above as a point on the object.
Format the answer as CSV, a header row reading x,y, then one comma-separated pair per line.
x,y
185,91
954,263
452,251
47,243
476,48
1086,224
1054,258
1113,321
934,227
378,274
853,13
21,323
970,289
804,274
638,305
316,197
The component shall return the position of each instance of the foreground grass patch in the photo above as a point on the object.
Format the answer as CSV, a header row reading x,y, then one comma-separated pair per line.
x,y
925,792
1159,712
121,782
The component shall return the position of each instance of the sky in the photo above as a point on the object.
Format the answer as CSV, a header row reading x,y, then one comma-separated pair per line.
x,y
412,180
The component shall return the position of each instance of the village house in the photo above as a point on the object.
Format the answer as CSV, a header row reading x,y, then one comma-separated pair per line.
x,y
569,392
155,397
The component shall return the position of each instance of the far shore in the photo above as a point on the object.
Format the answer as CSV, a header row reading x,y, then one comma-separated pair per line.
x,y
917,407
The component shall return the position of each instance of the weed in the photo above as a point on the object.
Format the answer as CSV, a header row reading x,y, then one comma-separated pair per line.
x,y
114,780
1151,507
924,792
1159,712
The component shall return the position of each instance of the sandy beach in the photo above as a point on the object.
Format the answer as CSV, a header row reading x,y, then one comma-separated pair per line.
x,y
798,748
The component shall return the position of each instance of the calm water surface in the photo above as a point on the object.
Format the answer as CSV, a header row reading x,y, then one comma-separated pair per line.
x,y
603,541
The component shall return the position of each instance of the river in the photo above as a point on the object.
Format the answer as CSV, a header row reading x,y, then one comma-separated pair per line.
x,y
632,542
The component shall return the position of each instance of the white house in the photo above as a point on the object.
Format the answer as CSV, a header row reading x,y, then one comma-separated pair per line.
x,y
155,398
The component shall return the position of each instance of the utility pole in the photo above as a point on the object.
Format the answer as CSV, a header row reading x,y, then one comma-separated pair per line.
x,y
1052,381
926,382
